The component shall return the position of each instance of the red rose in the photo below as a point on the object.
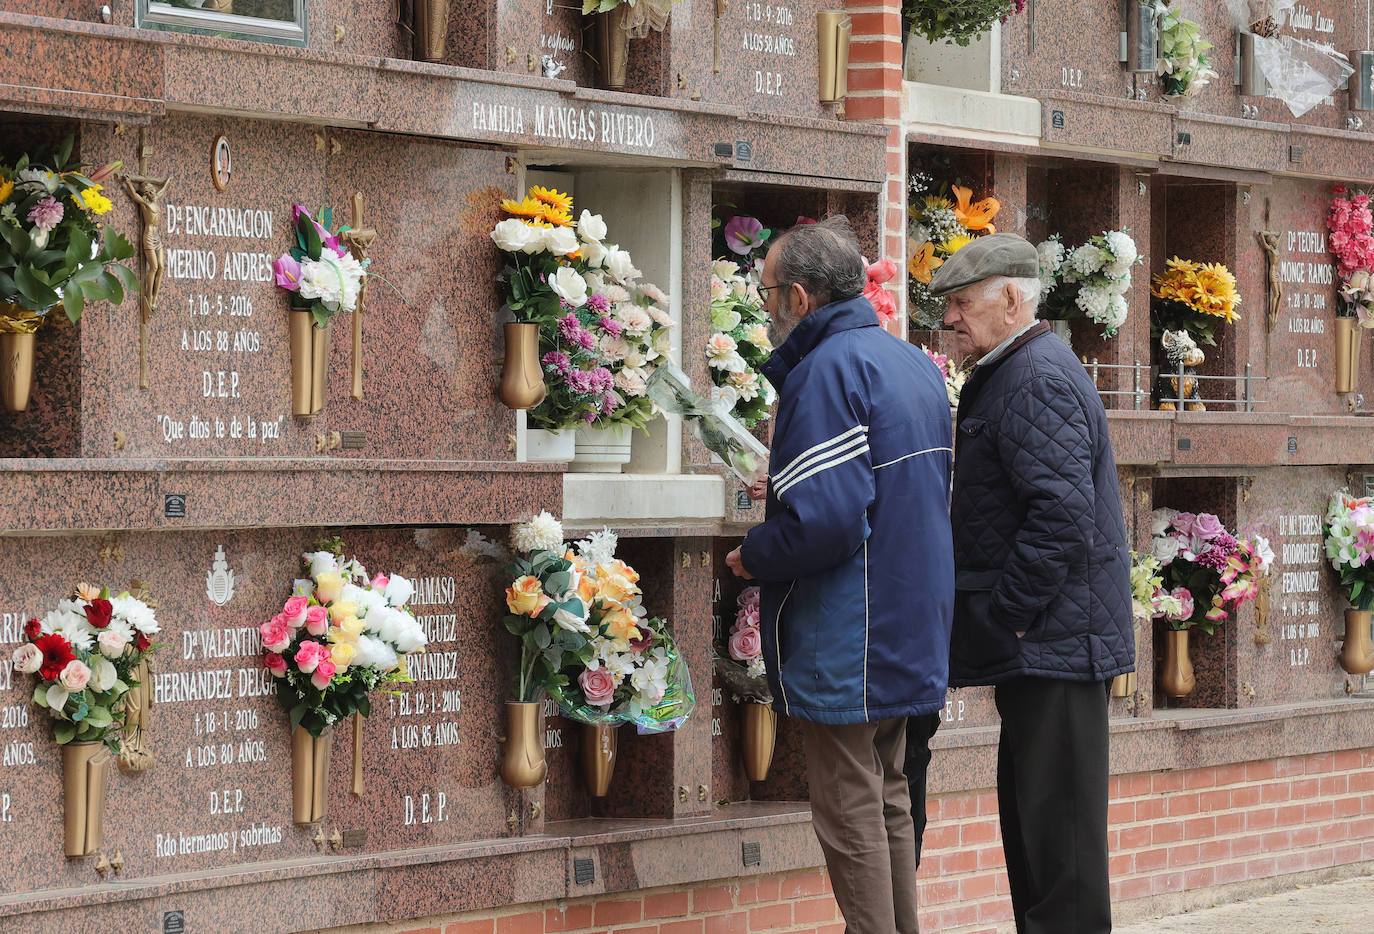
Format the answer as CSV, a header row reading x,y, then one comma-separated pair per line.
x,y
32,630
99,612
142,642
57,652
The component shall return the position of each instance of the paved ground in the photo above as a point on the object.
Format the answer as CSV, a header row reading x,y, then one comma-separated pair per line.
x,y
1311,909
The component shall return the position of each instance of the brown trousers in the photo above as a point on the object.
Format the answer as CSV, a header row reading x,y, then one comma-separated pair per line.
x,y
861,811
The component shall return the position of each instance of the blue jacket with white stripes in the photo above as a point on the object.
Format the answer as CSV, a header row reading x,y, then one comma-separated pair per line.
x,y
855,555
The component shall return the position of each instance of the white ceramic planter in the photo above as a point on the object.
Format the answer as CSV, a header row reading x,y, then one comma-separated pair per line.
x,y
550,446
601,450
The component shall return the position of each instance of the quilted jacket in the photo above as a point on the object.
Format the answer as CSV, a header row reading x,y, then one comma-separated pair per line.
x,y
1039,537
854,554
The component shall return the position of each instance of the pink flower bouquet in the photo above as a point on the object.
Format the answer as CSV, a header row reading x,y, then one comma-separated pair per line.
x,y
1206,572
739,653
1351,225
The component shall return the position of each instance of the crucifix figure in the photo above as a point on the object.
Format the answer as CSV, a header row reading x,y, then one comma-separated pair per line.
x,y
1269,242
359,240
147,193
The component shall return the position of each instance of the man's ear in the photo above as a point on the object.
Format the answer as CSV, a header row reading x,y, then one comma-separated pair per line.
x,y
1011,295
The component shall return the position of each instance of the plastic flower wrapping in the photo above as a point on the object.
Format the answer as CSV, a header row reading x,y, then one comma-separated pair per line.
x,y
1349,534
738,659
1090,280
1184,68
1193,297
954,373
1205,573
739,344
1299,72
1351,228
339,636
723,436
941,220
53,248
585,637
84,655
602,329
319,272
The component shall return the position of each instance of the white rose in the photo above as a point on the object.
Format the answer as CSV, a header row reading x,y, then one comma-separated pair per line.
x,y
1165,548
515,236
1161,519
560,241
112,644
591,227
322,562
28,658
569,286
594,254
399,590
75,676
620,265
572,621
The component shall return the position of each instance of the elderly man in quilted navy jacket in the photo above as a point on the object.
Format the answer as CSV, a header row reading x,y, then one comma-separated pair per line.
x,y
856,562
1043,600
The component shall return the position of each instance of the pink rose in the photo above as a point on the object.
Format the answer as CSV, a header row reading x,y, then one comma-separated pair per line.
x,y
748,616
75,676
324,673
309,656
294,611
380,581
275,662
1183,523
28,658
599,686
276,635
111,643
745,643
1207,525
1185,597
317,620
749,596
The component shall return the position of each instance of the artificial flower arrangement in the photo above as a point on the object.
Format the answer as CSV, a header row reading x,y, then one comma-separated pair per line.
x,y
739,658
1193,297
1205,572
602,331
1089,281
339,636
1351,226
53,250
1349,535
85,654
880,298
644,15
747,239
585,637
322,276
720,432
1184,68
954,373
942,220
957,21
739,344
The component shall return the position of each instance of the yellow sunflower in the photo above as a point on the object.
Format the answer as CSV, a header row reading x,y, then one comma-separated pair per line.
x,y
936,202
1214,291
556,216
552,197
527,207
6,189
955,244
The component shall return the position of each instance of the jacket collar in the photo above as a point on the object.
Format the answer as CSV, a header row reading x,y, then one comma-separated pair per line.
x,y
844,315
980,373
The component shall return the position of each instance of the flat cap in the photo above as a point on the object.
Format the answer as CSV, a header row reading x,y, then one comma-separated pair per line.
x,y
1000,254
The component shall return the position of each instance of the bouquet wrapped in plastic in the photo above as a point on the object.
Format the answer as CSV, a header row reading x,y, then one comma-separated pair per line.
x,y
721,433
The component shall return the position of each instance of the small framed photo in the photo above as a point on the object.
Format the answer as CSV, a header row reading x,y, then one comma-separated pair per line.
x,y
221,163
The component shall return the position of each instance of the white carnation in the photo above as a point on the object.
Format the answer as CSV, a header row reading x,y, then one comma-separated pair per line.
x,y
542,533
321,562
399,590
375,654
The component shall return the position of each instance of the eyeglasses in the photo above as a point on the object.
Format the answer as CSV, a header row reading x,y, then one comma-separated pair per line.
x,y
763,290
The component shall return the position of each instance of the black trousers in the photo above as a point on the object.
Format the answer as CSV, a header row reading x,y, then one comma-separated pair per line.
x,y
1052,801
919,730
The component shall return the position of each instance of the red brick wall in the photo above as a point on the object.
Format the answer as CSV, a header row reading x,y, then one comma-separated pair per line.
x,y
1170,832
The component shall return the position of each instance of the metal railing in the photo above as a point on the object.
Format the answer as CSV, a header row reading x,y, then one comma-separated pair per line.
x,y
1142,377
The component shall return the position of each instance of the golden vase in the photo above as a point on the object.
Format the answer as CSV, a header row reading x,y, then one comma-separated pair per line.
x,y
310,775
16,370
431,30
760,734
598,756
522,379
613,47
319,368
302,353
523,764
85,771
1347,354
1176,679
1124,685
1357,653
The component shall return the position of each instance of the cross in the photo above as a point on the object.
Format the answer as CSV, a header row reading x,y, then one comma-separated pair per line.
x,y
359,240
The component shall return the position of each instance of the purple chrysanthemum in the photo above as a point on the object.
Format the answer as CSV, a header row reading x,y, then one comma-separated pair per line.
x,y
599,304
610,326
47,213
558,360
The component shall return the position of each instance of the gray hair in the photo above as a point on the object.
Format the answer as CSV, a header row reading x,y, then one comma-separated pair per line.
x,y
1028,287
824,259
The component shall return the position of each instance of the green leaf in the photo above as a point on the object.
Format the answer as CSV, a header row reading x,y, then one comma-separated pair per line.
x,y
42,296
64,152
311,237
72,304
297,713
126,276
365,706
40,694
114,290
541,637
517,625
118,245
64,732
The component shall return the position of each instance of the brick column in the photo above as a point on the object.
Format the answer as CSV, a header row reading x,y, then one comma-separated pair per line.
x,y
875,96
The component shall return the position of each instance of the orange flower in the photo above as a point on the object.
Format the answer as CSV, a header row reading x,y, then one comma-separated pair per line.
x,y
978,216
87,592
923,264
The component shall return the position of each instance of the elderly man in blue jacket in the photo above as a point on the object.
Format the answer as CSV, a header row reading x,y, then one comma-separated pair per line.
x,y
1043,597
855,561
